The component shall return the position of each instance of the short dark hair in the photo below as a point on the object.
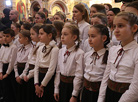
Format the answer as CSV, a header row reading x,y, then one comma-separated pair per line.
x,y
31,19
46,11
27,25
9,31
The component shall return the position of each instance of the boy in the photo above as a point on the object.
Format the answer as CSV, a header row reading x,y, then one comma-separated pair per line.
x,y
7,58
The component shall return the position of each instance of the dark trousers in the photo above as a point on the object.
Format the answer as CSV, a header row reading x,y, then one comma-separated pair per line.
x,y
8,86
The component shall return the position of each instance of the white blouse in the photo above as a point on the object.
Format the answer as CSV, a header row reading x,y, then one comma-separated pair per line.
x,y
124,71
94,72
70,66
22,57
49,61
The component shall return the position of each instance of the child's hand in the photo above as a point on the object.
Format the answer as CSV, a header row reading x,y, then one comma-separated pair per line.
x,y
5,76
18,79
38,91
56,96
1,76
26,79
73,99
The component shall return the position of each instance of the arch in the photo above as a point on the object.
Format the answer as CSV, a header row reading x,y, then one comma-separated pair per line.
x,y
34,4
59,4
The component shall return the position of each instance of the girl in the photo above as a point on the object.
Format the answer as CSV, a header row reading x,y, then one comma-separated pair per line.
x,y
22,57
16,28
40,18
59,26
120,81
97,8
110,17
45,64
60,16
95,62
26,26
107,7
69,73
28,77
80,15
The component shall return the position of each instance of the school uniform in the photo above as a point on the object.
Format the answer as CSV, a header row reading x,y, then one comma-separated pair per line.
x,y
120,81
20,64
94,70
69,73
45,66
16,41
29,72
83,28
8,55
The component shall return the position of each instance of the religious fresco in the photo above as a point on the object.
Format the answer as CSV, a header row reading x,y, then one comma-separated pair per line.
x,y
56,9
21,8
2,6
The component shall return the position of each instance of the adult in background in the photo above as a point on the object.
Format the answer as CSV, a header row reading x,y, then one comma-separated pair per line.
x,y
14,16
45,11
6,21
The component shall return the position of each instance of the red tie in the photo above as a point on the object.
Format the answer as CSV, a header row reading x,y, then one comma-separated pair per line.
x,y
94,57
119,54
67,53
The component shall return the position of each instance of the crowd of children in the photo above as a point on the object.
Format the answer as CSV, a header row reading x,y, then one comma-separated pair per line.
x,y
84,60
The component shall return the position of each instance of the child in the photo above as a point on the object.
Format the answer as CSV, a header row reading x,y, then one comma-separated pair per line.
x,y
29,77
46,63
60,16
80,15
22,57
69,73
59,26
95,62
120,81
7,58
16,28
26,26
1,39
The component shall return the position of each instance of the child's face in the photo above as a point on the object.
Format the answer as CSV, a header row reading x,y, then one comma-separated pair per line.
x,y
95,21
22,39
131,9
16,30
77,14
95,39
67,37
34,36
110,17
7,38
1,38
44,37
93,10
22,27
38,19
122,30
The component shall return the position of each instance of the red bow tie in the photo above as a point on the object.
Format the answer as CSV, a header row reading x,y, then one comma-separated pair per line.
x,y
67,53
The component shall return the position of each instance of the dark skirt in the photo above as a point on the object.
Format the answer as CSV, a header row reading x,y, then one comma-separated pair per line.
x,y
112,96
48,95
65,92
21,88
30,91
89,96
8,86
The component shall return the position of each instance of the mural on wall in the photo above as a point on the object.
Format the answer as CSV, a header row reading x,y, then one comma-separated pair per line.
x,y
1,8
21,8
55,9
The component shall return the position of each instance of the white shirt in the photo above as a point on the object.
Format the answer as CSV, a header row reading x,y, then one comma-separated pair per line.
x,y
22,57
73,66
49,61
16,41
94,72
31,60
8,55
126,72
83,28
86,47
